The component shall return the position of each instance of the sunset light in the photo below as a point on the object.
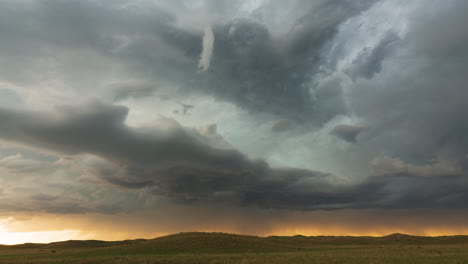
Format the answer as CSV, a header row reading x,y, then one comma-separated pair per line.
x,y
170,127
13,238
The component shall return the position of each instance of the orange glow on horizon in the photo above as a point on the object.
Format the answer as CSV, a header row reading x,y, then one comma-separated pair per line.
x,y
47,228
379,232
12,238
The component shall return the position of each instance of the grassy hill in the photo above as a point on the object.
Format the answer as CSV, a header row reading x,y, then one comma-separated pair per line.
x,y
366,240
208,242
229,248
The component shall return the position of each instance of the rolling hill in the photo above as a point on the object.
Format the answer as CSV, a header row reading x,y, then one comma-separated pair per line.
x,y
196,247
222,242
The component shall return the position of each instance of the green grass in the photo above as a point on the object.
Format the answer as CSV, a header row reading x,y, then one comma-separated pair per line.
x,y
213,248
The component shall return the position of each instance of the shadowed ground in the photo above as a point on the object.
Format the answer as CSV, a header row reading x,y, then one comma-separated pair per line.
x,y
228,248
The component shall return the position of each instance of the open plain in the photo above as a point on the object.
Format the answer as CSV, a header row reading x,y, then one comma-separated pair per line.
x,y
227,248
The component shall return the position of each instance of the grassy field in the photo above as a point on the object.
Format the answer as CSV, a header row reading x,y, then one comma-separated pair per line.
x,y
213,248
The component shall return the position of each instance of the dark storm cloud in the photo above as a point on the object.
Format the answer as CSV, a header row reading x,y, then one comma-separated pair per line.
x,y
348,133
37,203
81,41
171,161
406,190
409,87
252,65
415,106
261,71
167,156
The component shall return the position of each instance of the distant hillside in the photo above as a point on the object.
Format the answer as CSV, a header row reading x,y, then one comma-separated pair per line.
x,y
198,242
209,242
73,244
367,240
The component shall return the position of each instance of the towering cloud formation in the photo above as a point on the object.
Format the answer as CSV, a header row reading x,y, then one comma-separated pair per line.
x,y
91,95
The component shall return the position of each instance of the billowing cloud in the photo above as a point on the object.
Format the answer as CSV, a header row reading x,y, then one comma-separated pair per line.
x,y
252,65
129,106
164,155
171,161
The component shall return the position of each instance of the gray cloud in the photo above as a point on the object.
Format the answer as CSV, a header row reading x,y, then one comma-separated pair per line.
x,y
43,197
305,62
171,161
264,72
252,64
348,133
168,156
283,125
416,113
17,164
130,89
369,61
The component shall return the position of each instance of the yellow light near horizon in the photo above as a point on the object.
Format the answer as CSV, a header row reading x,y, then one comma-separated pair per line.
x,y
13,238
51,228
375,231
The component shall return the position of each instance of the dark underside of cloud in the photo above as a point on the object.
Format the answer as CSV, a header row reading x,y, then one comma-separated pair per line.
x,y
171,161
306,65
252,66
264,72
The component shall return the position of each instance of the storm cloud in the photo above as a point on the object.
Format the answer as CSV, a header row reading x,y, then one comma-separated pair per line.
x,y
173,162
130,106
254,66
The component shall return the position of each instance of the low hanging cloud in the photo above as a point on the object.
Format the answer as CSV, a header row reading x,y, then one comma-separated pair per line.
x,y
313,72
165,155
171,161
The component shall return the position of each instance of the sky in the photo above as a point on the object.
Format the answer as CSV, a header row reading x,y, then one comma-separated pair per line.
x,y
140,118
